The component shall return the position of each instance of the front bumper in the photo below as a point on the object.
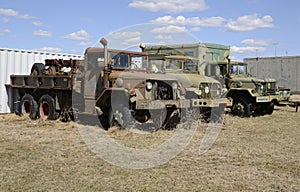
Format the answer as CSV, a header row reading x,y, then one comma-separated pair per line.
x,y
208,102
161,104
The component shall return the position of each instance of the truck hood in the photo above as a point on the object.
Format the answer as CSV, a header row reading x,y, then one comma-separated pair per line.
x,y
190,79
141,75
244,78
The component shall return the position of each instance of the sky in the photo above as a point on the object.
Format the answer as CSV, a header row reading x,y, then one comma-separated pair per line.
x,y
252,28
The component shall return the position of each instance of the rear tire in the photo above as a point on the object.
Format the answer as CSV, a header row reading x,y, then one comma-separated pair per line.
x,y
29,106
47,108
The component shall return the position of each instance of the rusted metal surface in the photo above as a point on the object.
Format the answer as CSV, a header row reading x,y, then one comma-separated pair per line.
x,y
41,82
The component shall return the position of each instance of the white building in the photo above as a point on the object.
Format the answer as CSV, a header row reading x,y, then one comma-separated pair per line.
x,y
285,69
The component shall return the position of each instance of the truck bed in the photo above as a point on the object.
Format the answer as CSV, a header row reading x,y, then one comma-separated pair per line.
x,y
61,82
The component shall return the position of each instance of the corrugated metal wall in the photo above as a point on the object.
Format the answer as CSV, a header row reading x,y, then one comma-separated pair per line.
x,y
19,62
286,70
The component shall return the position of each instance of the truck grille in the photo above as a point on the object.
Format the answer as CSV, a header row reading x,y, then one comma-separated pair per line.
x,y
210,90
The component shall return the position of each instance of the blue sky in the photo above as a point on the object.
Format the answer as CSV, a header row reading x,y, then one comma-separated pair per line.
x,y
251,27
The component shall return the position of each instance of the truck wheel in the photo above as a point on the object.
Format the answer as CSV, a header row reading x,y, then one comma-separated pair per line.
x,y
158,118
29,106
122,116
217,115
269,110
106,119
37,69
47,108
240,107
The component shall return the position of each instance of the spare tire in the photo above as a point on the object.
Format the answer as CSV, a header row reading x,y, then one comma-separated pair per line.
x,y
37,69
29,106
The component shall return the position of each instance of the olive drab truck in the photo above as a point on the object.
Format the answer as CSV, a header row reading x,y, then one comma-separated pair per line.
x,y
115,85
246,94
205,93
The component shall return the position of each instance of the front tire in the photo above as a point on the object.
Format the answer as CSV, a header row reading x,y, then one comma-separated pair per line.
x,y
270,109
241,107
122,117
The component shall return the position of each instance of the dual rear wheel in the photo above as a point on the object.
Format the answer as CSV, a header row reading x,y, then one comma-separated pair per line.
x,y
44,108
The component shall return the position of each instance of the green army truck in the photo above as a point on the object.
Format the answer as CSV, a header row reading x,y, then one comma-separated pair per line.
x,y
205,93
246,94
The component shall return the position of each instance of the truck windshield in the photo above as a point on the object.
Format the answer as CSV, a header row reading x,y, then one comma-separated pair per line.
x,y
124,61
238,69
190,66
179,64
172,64
161,65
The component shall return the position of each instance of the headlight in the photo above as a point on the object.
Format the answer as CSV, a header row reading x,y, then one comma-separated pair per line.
x,y
206,89
119,82
269,85
148,86
174,86
200,92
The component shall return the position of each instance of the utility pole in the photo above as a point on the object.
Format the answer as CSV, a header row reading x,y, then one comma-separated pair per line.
x,y
275,47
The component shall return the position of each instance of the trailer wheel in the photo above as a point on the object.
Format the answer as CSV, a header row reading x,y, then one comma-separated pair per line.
x,y
37,69
47,108
29,106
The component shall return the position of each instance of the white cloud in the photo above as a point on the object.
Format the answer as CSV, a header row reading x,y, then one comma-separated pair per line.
x,y
192,21
169,6
26,16
3,31
127,37
249,23
78,36
5,20
125,34
164,37
248,49
42,33
37,23
195,29
13,13
8,12
132,41
256,42
86,44
51,49
169,29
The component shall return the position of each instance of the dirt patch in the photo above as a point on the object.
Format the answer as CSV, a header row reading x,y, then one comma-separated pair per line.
x,y
250,154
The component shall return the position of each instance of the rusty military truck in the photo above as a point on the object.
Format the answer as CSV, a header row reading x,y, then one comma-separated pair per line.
x,y
115,85
246,94
204,93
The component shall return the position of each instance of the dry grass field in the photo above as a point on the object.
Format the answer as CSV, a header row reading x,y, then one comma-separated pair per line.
x,y
250,154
